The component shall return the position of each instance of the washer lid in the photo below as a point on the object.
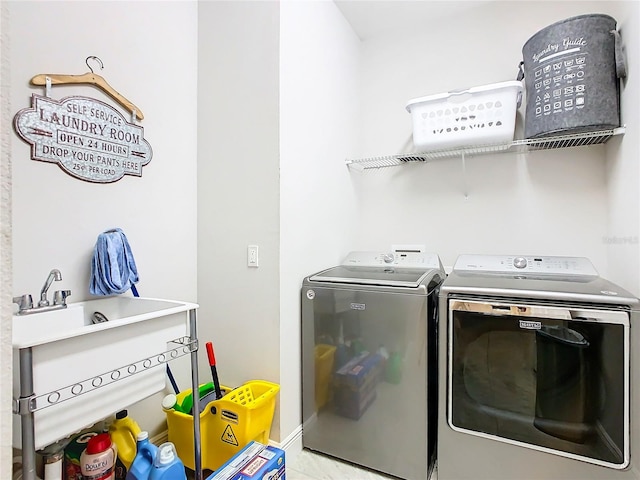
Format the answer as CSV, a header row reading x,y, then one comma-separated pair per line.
x,y
383,276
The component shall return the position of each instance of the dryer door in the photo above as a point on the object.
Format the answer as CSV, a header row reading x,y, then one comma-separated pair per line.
x,y
552,378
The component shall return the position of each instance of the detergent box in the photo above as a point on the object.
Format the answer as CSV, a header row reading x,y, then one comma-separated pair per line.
x,y
355,385
254,462
360,371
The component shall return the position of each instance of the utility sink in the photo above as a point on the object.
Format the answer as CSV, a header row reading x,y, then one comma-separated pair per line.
x,y
38,328
82,371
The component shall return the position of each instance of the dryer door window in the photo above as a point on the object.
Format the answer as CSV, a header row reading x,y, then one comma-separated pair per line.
x,y
545,377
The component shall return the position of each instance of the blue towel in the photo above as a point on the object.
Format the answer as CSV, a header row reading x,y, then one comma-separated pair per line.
x,y
113,269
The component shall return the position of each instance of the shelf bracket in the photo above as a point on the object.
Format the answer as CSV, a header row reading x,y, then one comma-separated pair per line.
x,y
24,405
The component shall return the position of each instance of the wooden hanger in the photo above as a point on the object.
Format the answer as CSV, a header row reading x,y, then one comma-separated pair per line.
x,y
91,79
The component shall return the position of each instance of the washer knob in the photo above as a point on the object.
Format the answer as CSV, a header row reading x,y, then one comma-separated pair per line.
x,y
519,262
388,257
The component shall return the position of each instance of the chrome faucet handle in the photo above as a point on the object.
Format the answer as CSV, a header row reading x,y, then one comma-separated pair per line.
x,y
24,302
60,297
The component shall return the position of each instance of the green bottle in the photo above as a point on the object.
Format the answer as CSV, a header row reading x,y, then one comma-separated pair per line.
x,y
393,371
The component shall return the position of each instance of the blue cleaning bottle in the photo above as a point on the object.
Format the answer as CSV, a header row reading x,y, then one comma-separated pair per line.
x,y
146,454
167,465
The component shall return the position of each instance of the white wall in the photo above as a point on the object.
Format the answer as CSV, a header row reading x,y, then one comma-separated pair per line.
x,y
623,172
243,168
6,290
238,190
319,58
547,203
149,52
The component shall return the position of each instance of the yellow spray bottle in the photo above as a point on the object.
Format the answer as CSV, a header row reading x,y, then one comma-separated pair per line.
x,y
124,431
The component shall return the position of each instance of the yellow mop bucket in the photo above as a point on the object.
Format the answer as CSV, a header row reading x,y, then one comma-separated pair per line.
x,y
324,357
226,425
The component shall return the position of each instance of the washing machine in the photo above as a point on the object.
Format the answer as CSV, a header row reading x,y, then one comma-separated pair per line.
x,y
369,373
535,380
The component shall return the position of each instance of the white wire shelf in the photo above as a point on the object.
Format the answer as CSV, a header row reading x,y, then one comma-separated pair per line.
x,y
524,145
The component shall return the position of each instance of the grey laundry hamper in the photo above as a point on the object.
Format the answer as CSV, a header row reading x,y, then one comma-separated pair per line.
x,y
572,70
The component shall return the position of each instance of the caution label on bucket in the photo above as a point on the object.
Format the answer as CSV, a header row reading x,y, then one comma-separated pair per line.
x,y
229,437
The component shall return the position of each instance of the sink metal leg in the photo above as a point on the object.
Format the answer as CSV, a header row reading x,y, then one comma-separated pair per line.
x,y
26,417
197,450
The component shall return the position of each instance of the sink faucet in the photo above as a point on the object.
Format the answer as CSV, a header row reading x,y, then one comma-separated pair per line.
x,y
53,275
25,302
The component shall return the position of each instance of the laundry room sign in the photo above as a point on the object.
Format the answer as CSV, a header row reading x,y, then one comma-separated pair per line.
x,y
87,138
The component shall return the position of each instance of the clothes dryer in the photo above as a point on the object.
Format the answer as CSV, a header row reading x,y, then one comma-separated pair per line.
x,y
369,375
535,377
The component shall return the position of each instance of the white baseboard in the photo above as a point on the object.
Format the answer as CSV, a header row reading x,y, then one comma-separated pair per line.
x,y
160,438
292,445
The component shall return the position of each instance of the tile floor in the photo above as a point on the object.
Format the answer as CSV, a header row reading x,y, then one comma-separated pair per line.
x,y
311,466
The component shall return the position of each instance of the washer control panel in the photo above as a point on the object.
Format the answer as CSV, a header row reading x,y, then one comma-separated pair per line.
x,y
393,259
525,263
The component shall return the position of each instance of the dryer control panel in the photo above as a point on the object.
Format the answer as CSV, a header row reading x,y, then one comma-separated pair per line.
x,y
525,263
403,259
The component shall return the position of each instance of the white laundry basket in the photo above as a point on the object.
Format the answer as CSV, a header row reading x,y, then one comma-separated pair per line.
x,y
483,115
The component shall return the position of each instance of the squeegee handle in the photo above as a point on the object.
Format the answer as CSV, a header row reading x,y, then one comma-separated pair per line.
x,y
214,370
210,354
